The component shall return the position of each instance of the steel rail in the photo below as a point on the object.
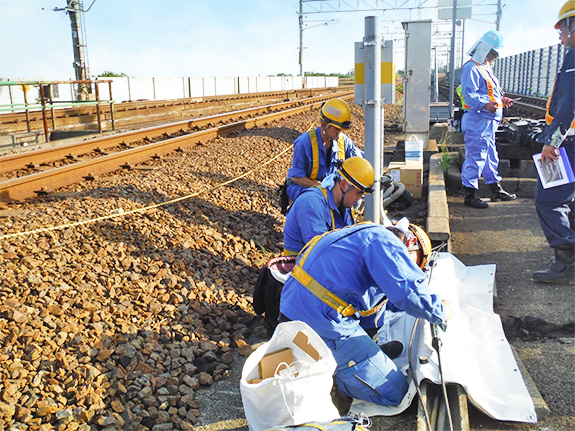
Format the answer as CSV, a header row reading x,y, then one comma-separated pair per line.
x,y
44,182
35,158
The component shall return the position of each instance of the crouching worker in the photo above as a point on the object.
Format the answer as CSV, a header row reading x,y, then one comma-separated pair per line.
x,y
330,206
339,287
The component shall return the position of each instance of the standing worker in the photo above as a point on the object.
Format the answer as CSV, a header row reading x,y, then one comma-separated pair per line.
x,y
316,151
339,287
555,205
483,102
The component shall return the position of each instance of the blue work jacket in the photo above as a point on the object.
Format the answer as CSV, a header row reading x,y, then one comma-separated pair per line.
x,y
303,160
474,90
312,214
361,264
561,105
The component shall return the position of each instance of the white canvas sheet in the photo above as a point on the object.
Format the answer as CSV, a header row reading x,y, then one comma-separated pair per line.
x,y
474,351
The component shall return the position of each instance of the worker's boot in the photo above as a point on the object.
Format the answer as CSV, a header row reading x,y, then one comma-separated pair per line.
x,y
471,200
498,194
561,268
392,349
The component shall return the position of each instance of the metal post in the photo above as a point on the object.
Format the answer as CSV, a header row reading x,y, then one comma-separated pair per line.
x,y
98,113
452,60
74,10
499,12
44,119
462,40
301,41
111,106
435,76
26,106
372,107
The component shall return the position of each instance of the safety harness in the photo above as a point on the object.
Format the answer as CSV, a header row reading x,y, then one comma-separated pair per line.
x,y
327,297
490,86
315,152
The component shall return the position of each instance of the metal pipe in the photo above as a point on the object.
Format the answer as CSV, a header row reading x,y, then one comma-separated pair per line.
x,y
111,106
452,60
44,119
26,107
372,107
98,113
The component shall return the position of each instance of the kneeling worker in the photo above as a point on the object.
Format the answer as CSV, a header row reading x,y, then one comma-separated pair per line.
x,y
339,288
321,209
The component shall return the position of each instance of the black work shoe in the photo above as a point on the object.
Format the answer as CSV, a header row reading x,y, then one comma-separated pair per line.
x,y
340,401
556,272
392,349
502,195
475,202
498,194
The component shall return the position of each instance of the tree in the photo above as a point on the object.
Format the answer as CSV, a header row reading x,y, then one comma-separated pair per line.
x,y
108,74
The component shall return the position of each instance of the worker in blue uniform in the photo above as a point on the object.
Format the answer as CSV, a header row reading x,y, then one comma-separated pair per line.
x,y
329,206
339,287
483,102
316,151
554,205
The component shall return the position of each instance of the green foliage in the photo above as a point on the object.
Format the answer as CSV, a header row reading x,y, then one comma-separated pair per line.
x,y
349,74
107,74
448,159
399,87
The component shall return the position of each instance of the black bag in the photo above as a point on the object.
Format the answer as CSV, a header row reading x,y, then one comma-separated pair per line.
x,y
268,289
284,198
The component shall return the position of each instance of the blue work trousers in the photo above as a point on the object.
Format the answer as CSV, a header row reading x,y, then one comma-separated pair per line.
x,y
481,158
364,371
555,208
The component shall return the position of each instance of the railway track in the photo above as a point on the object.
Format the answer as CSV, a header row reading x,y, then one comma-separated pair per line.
x,y
526,106
153,142
130,113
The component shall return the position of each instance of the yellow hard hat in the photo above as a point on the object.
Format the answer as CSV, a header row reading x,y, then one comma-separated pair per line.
x,y
422,243
359,173
336,112
566,11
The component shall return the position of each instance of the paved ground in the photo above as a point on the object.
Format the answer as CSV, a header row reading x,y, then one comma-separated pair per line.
x,y
507,234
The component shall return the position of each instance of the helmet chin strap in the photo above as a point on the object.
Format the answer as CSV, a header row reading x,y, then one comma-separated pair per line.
x,y
349,187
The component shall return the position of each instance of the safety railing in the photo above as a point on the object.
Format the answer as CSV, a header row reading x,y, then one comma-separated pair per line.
x,y
46,103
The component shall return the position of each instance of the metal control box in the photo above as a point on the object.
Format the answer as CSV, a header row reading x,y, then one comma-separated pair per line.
x,y
417,79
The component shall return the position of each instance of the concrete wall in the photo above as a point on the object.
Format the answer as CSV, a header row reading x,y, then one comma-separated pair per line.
x,y
133,89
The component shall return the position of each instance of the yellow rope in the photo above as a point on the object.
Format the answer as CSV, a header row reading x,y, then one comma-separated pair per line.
x,y
122,213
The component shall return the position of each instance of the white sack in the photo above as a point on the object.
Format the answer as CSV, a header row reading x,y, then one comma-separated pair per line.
x,y
288,399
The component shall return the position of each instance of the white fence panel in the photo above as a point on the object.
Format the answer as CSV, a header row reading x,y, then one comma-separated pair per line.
x,y
225,85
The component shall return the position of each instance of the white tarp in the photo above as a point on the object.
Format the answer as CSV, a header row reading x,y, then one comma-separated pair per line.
x,y
474,350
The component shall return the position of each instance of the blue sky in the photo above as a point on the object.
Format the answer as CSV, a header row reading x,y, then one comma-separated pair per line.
x,y
196,38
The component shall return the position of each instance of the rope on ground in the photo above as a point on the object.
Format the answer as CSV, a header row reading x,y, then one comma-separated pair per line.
x,y
121,213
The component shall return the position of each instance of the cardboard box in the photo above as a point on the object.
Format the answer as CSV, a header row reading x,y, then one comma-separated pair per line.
x,y
411,177
269,364
302,342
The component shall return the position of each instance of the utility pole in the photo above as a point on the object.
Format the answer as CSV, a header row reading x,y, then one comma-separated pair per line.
x,y
74,9
499,12
452,60
301,41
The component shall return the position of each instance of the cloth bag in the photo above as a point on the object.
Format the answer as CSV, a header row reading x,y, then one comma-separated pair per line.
x,y
299,392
